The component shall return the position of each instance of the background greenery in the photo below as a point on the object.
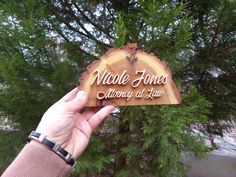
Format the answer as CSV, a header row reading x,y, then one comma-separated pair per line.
x,y
46,45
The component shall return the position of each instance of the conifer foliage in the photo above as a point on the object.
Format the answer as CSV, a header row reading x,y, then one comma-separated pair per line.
x,y
46,45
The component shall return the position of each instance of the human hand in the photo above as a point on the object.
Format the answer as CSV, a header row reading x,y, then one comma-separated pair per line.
x,y
65,124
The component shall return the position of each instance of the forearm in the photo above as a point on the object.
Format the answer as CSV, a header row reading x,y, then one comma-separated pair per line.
x,y
37,160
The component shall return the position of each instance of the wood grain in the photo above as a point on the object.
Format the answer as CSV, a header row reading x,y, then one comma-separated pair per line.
x,y
134,63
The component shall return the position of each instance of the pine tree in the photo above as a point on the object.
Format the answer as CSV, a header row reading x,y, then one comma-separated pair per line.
x,y
46,45
213,65
33,74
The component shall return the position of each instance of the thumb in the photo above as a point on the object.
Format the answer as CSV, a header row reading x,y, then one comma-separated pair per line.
x,y
77,103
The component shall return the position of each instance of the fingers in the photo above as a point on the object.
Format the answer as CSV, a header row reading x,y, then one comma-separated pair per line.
x,y
77,103
69,96
97,118
87,114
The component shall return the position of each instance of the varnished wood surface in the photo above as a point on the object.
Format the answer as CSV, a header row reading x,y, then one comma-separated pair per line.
x,y
129,64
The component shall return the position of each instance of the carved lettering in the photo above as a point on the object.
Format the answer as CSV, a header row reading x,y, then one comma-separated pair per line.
x,y
148,79
142,77
154,93
113,93
107,78
140,94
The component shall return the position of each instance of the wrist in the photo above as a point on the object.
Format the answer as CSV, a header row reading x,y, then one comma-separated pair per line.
x,y
53,146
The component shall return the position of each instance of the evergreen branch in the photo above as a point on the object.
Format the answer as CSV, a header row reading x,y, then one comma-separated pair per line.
x,y
70,11
111,14
47,57
99,27
75,46
88,35
201,79
4,50
213,41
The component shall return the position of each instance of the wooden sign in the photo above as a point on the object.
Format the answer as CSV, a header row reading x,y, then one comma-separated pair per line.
x,y
128,76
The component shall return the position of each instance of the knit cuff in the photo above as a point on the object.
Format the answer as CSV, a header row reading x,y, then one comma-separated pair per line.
x,y
37,160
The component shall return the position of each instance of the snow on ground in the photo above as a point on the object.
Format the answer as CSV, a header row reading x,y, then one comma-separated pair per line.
x,y
221,162
226,146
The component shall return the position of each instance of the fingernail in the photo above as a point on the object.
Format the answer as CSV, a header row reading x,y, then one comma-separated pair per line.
x,y
81,93
111,107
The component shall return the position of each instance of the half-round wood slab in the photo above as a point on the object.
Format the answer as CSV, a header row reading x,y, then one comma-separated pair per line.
x,y
127,76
